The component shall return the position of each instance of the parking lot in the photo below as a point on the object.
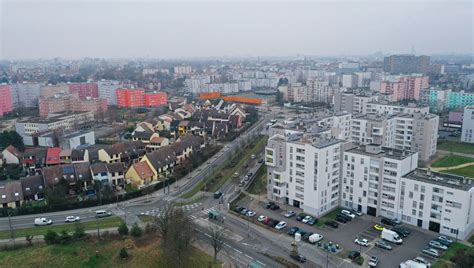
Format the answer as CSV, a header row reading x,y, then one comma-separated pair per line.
x,y
346,233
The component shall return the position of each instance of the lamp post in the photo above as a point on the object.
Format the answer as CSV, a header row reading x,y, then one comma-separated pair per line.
x,y
12,232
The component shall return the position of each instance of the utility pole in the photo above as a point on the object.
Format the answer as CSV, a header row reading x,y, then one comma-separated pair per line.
x,y
12,233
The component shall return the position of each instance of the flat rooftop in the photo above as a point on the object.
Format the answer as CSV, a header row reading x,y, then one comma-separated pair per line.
x,y
442,179
380,151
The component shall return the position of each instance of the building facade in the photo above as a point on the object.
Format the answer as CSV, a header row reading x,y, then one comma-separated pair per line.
x,y
467,134
6,102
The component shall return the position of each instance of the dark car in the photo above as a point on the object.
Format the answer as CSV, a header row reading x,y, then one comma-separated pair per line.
x,y
333,224
217,195
353,255
300,216
293,230
401,231
273,223
301,232
238,209
306,236
383,244
274,207
341,219
298,258
347,218
260,161
313,221
388,221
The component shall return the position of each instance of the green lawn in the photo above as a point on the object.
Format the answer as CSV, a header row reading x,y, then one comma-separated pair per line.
x,y
452,160
90,253
258,185
465,171
104,223
445,259
226,173
330,216
459,147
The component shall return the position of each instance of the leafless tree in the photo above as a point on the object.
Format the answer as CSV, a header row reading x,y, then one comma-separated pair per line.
x,y
217,239
180,237
163,222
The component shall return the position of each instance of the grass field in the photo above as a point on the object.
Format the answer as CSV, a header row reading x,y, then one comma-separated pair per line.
x,y
459,147
452,160
465,171
142,253
258,185
104,223
226,173
445,260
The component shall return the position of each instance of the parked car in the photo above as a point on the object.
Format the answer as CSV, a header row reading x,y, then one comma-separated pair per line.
x,y
267,221
102,213
274,223
261,218
300,217
217,195
250,213
241,183
290,214
347,218
252,156
446,240
260,161
301,232
43,221
401,231
373,261
315,238
383,244
341,219
272,206
298,258
431,251
236,174
362,241
293,230
437,245
250,174
244,211
306,219
333,224
356,212
378,227
313,221
72,219
281,225
353,255
306,236
396,221
348,213
422,260
388,221
238,209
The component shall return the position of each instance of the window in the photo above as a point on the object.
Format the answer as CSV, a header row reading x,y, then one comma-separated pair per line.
x,y
422,197
410,194
416,187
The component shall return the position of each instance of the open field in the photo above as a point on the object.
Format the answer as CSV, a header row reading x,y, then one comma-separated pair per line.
x,y
465,171
452,160
142,253
104,223
445,261
459,147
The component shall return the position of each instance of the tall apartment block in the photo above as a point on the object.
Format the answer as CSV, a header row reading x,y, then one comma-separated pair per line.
x,y
107,90
467,134
303,171
84,89
405,87
6,103
406,64
135,98
25,94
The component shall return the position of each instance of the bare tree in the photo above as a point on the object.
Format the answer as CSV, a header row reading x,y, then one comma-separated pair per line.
x,y
217,239
181,236
163,222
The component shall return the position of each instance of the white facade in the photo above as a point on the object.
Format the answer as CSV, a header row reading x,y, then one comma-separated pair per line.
x,y
390,109
25,94
304,173
467,134
183,69
107,90
371,179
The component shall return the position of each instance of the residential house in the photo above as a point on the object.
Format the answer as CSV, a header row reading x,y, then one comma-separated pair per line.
x,y
11,155
161,161
140,174
156,143
183,127
65,156
53,175
34,160
99,172
32,187
116,175
174,127
80,156
52,156
11,194
84,175
143,133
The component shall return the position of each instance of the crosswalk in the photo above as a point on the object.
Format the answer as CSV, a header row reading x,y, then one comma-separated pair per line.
x,y
206,211
188,208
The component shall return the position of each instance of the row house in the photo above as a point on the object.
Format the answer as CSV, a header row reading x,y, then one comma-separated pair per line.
x,y
14,193
11,155
126,152
111,174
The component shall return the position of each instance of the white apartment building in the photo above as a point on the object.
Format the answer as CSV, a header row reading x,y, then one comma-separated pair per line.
x,y
107,90
438,202
371,179
352,103
318,91
183,69
59,121
339,124
373,129
467,134
303,171
25,94
390,109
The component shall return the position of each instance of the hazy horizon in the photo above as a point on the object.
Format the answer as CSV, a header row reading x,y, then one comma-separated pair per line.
x,y
170,30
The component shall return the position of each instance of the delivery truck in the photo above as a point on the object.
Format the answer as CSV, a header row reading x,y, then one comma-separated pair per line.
x,y
391,236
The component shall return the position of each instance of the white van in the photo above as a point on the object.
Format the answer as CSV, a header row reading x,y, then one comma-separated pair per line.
x,y
102,213
43,221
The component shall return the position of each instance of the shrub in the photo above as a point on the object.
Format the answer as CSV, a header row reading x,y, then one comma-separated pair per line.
x,y
150,228
51,237
136,231
79,232
360,260
64,238
123,254
123,229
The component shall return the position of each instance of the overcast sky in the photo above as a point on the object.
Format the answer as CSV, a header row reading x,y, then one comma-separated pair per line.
x,y
161,29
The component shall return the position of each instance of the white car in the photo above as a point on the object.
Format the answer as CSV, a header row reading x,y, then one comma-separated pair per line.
x,y
290,214
348,213
251,213
373,261
261,218
72,219
362,241
281,225
431,251
43,221
437,245
422,261
306,219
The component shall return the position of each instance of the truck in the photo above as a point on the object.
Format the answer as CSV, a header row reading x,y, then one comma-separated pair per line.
x,y
315,238
391,236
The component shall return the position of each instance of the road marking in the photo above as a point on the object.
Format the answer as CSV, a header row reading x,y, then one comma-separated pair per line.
x,y
248,256
240,252
261,263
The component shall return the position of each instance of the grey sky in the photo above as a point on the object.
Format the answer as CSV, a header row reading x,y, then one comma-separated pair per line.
x,y
76,29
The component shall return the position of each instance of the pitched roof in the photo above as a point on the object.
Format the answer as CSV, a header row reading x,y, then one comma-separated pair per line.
x,y
143,170
65,152
11,192
52,175
99,167
32,185
83,171
52,156
115,167
157,139
14,151
162,157
78,153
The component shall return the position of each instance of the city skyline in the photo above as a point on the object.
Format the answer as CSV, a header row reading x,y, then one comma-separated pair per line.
x,y
165,30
